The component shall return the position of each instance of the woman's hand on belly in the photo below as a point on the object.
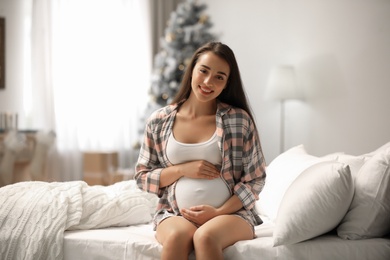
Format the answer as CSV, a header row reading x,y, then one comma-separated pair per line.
x,y
199,170
195,169
199,214
203,213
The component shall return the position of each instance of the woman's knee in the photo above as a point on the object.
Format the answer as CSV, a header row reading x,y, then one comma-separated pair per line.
x,y
222,232
174,233
179,236
204,237
176,240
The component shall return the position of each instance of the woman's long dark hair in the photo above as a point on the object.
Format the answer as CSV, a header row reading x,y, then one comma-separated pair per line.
x,y
234,93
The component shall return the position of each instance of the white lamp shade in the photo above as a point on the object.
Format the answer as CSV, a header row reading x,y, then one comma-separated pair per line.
x,y
282,84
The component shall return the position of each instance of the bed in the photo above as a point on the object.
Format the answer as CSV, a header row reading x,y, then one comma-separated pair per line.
x,y
137,242
331,207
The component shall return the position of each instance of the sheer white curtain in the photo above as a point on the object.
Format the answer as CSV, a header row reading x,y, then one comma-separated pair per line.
x,y
91,67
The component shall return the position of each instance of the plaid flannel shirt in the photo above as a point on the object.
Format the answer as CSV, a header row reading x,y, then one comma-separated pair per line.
x,y
243,164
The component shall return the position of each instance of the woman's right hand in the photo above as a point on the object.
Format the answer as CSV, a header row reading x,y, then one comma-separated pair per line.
x,y
194,169
199,170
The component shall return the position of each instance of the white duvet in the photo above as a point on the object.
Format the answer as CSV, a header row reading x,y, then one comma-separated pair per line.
x,y
34,215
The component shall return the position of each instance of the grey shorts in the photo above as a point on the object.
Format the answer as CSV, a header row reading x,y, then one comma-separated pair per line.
x,y
164,214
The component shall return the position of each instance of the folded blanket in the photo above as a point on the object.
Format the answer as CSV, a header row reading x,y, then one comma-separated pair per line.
x,y
34,215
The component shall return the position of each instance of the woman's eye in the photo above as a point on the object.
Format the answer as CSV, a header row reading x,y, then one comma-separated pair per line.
x,y
202,70
220,78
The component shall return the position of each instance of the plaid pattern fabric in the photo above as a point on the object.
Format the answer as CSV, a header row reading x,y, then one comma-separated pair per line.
x,y
243,165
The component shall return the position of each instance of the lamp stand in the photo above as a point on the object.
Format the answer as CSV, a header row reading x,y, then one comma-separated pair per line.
x,y
282,101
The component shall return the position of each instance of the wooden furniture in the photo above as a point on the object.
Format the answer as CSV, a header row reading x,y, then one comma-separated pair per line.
x,y
101,168
98,167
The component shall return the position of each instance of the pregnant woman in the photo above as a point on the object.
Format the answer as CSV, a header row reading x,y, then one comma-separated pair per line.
x,y
202,156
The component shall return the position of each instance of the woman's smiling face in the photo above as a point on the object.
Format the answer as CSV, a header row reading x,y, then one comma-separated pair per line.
x,y
209,77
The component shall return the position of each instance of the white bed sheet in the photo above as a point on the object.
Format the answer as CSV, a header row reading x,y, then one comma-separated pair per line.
x,y
138,242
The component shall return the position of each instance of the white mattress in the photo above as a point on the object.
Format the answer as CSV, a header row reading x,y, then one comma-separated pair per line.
x,y
138,242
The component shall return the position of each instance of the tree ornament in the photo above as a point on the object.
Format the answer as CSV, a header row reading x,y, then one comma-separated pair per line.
x,y
203,19
173,84
170,37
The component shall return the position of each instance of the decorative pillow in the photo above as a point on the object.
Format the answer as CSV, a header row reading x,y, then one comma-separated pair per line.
x,y
354,162
281,172
369,214
314,204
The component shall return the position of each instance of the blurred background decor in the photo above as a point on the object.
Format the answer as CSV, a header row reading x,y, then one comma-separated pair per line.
x,y
88,78
187,29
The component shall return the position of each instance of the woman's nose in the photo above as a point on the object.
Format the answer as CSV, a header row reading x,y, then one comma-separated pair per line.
x,y
208,80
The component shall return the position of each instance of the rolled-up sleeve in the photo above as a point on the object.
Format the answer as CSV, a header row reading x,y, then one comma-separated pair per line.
x,y
253,174
148,168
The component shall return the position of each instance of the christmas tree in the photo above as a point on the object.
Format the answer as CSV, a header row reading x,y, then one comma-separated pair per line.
x,y
188,29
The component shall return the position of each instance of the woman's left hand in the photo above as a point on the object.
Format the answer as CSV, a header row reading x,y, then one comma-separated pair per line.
x,y
199,214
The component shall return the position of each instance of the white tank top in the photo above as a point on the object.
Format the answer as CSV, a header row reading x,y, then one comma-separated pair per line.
x,y
192,192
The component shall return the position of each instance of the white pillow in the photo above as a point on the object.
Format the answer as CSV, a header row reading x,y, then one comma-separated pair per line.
x,y
355,162
314,204
281,172
369,214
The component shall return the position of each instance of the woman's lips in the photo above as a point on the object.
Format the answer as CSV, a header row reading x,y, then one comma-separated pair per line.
x,y
205,91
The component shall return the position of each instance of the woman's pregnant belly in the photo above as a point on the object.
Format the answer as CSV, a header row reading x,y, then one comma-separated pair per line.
x,y
192,192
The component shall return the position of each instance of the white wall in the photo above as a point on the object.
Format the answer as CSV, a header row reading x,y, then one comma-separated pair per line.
x,y
341,50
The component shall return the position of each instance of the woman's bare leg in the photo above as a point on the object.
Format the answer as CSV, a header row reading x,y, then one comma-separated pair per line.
x,y
175,234
218,233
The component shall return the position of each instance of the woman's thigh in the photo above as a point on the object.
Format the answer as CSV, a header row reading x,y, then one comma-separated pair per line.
x,y
227,230
174,228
